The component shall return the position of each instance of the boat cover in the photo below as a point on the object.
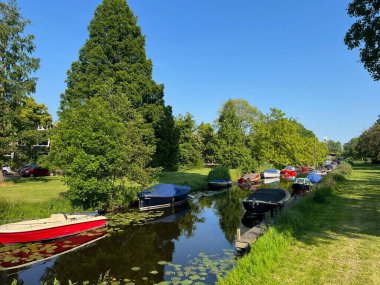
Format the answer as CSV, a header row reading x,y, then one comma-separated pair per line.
x,y
314,177
271,170
165,190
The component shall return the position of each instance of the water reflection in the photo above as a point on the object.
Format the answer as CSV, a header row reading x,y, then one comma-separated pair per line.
x,y
195,241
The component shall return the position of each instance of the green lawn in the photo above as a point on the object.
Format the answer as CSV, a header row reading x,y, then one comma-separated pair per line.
x,y
341,243
31,190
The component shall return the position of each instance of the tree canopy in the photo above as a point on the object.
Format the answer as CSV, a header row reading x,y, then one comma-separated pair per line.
x,y
365,33
16,69
113,61
98,144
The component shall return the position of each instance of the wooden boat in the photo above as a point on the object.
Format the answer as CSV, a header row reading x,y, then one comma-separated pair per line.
x,y
301,185
162,196
219,183
57,226
249,178
21,255
267,199
271,173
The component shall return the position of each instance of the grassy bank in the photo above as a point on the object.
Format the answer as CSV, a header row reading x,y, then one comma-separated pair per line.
x,y
328,238
28,198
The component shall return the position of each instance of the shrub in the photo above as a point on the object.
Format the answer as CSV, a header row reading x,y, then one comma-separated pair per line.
x,y
344,168
220,172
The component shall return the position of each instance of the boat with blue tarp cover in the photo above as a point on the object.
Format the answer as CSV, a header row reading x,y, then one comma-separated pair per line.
x,y
314,177
162,196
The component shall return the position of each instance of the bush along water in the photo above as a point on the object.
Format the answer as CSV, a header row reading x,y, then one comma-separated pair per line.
x,y
220,172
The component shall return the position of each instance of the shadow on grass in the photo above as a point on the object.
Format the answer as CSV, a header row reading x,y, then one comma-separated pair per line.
x,y
20,180
351,212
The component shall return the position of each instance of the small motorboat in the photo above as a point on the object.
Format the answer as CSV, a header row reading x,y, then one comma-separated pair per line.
x,y
301,185
267,199
249,178
219,183
57,226
271,173
162,196
22,255
289,172
271,181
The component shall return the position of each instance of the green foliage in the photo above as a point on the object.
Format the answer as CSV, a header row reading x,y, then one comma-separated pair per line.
x,y
281,141
17,65
208,140
344,168
99,143
368,144
334,147
190,145
113,61
233,125
364,34
350,149
219,172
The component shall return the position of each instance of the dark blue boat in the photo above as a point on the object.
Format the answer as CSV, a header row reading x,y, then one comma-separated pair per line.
x,y
267,199
219,183
162,196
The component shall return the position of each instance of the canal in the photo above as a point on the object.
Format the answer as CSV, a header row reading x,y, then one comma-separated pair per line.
x,y
187,245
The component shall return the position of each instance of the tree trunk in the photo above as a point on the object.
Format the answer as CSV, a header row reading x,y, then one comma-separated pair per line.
x,y
1,173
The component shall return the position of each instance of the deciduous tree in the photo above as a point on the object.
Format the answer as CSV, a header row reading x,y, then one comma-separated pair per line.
x,y
16,68
365,33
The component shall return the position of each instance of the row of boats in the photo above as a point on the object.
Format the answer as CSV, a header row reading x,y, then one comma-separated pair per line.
x,y
155,197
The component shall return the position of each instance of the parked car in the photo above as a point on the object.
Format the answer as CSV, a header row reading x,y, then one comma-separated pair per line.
x,y
7,170
33,170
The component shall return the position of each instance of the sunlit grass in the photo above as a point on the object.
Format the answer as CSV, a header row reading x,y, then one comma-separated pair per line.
x,y
336,241
30,190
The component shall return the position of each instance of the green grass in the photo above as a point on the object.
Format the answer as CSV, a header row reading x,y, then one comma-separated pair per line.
x,y
196,178
29,198
30,190
335,240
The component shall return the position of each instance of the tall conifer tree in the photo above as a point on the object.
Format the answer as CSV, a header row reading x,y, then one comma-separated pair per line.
x,y
113,61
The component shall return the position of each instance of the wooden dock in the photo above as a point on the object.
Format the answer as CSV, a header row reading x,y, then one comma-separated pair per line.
x,y
243,242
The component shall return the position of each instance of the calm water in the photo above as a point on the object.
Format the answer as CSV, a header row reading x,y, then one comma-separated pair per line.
x,y
191,244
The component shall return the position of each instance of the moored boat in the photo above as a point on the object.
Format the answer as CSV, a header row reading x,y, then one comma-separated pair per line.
x,y
22,255
264,200
219,183
314,177
162,196
271,181
271,173
249,178
301,185
289,172
57,226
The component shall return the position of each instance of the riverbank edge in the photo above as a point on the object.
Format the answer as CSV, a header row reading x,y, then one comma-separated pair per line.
x,y
284,230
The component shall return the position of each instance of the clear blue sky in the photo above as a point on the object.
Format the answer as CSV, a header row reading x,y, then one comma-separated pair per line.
x,y
284,54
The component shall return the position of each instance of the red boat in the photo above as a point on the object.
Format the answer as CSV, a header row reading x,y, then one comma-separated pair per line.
x,y
21,255
57,226
288,173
